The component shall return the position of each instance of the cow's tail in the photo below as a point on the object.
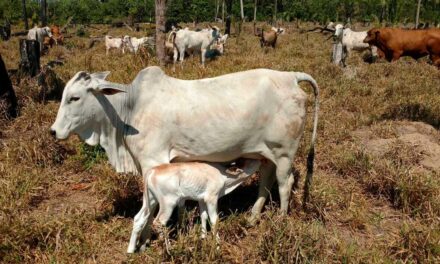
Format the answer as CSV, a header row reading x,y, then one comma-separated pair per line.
x,y
311,155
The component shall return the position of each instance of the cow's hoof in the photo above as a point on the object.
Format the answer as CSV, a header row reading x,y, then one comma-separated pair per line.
x,y
252,220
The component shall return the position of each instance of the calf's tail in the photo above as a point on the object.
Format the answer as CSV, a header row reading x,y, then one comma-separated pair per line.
x,y
311,155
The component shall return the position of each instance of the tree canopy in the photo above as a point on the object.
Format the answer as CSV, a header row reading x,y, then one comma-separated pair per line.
x,y
106,11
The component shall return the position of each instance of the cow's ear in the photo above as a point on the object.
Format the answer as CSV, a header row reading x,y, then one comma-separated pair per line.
x,y
376,34
109,88
100,75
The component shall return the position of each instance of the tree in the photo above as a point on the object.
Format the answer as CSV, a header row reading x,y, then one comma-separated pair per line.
x,y
418,13
228,17
43,13
26,25
161,8
255,10
241,10
275,9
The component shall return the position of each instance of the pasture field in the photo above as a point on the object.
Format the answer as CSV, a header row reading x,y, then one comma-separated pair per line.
x,y
375,196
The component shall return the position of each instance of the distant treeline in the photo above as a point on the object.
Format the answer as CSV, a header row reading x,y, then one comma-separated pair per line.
x,y
108,11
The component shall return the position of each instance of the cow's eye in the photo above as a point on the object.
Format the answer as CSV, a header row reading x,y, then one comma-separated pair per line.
x,y
73,99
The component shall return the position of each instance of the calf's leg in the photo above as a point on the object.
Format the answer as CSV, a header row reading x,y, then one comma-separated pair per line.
x,y
141,220
203,217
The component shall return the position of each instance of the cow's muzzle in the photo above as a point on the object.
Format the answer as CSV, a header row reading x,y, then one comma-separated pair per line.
x,y
53,132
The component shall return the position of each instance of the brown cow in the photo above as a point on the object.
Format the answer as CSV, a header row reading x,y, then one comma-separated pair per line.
x,y
56,34
395,43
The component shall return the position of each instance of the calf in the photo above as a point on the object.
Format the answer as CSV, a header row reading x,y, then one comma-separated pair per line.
x,y
171,184
39,34
133,44
269,38
200,41
111,42
352,40
395,43
57,36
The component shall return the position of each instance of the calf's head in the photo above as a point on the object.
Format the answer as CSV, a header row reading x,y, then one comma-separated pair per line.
x,y
339,30
80,110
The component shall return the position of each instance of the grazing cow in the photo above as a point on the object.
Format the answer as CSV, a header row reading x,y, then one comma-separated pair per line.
x,y
269,39
395,43
158,119
56,35
172,184
111,42
38,34
196,41
352,40
133,44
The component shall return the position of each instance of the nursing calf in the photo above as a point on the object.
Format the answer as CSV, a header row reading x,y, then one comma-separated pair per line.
x,y
170,185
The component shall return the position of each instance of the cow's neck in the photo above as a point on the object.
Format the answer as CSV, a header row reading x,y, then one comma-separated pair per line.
x,y
115,127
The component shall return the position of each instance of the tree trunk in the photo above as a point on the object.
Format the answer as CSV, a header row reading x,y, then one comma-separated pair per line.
x,y
228,17
29,57
418,13
241,10
43,13
7,93
255,10
275,9
161,7
223,12
217,7
26,25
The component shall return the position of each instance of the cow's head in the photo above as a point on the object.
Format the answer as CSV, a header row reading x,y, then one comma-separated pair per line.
x,y
80,109
339,30
221,43
215,31
47,31
372,36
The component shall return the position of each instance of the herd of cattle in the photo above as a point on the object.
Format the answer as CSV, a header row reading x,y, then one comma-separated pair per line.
x,y
391,43
200,139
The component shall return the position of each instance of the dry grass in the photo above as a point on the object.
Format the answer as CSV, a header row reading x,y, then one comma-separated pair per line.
x,y
62,202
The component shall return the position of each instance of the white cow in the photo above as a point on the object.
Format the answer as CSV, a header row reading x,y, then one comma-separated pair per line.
x,y
172,184
133,44
352,40
111,42
158,119
197,41
38,34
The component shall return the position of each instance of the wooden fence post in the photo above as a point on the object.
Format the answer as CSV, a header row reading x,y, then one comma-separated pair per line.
x,y
29,57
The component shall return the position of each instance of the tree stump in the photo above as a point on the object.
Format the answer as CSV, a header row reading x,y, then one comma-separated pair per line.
x,y
29,57
7,94
5,31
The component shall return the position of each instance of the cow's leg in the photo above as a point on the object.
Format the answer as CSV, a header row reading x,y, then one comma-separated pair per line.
x,y
396,55
181,56
435,59
203,56
203,217
265,185
142,220
285,181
